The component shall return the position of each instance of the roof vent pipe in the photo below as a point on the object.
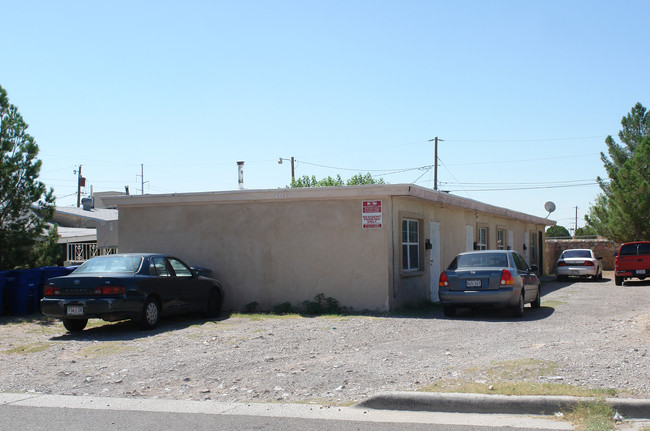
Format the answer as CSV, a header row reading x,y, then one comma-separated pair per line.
x,y
240,172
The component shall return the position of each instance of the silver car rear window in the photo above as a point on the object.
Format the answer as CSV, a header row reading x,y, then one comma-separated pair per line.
x,y
483,260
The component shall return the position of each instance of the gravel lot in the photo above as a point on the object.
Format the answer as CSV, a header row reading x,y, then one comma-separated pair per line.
x,y
586,333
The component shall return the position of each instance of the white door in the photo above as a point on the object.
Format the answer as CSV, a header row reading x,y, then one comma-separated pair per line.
x,y
434,260
469,238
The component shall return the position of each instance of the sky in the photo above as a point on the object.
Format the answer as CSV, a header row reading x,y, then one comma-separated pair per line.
x,y
167,96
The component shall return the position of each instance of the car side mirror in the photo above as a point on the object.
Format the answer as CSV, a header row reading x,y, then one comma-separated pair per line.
x,y
535,269
600,258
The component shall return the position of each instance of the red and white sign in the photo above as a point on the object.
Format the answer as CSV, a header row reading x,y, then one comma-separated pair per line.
x,y
371,217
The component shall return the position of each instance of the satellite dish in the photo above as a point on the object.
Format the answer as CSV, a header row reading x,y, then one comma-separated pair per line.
x,y
550,207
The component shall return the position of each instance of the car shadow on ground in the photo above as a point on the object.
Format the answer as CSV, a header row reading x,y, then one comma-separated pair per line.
x,y
501,314
636,282
550,286
127,330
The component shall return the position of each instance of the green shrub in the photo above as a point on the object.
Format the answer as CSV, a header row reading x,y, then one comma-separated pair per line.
x,y
251,307
321,305
284,308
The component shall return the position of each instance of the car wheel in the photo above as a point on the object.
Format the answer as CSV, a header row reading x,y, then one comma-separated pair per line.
x,y
618,280
75,325
600,275
150,314
214,304
596,276
449,311
538,301
518,310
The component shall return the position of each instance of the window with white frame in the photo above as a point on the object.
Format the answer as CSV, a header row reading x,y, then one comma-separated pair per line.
x,y
410,245
501,239
482,238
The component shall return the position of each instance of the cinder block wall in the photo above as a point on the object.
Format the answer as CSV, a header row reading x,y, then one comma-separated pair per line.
x,y
602,248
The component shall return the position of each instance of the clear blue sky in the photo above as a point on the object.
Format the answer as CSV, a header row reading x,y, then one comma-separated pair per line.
x,y
523,93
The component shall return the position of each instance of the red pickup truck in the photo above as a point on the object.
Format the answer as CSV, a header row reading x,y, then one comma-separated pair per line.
x,y
632,261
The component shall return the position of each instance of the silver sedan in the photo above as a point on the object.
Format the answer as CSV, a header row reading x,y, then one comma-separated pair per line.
x,y
490,277
578,262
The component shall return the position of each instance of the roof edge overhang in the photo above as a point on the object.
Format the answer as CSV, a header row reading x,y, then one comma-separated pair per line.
x,y
320,193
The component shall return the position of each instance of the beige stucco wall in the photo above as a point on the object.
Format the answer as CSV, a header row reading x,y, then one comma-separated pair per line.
x,y
290,245
271,252
107,236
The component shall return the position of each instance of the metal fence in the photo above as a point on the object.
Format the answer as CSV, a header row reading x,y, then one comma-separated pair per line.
x,y
82,251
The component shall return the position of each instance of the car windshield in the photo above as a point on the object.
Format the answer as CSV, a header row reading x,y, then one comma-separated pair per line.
x,y
110,264
482,260
575,253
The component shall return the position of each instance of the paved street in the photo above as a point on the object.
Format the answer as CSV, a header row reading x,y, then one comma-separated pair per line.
x,y
52,413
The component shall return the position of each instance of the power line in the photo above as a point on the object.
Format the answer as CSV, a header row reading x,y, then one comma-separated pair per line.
x,y
525,140
527,188
525,183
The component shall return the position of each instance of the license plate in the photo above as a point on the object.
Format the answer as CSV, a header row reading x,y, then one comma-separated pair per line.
x,y
640,271
473,283
75,310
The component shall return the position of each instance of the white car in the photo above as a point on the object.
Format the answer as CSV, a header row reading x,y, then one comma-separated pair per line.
x,y
578,262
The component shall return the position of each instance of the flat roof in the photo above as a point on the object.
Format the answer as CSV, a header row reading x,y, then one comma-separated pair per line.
x,y
74,234
320,193
100,214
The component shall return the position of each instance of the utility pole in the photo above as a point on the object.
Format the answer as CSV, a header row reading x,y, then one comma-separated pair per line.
x,y
293,170
576,225
142,181
81,181
435,161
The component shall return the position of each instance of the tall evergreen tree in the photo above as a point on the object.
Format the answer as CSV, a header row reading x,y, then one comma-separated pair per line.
x,y
26,238
622,212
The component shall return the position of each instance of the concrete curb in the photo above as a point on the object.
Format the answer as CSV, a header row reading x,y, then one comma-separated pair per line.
x,y
504,404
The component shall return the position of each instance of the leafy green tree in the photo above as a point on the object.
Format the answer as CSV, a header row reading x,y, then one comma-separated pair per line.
x,y
585,231
622,211
361,179
356,180
26,238
557,232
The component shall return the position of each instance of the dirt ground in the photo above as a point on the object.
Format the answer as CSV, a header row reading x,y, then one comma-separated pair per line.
x,y
586,334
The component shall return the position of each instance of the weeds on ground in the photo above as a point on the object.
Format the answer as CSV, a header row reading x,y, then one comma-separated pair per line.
x,y
319,306
26,349
592,416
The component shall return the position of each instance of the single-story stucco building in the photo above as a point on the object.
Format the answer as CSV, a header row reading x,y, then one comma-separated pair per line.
x,y
375,247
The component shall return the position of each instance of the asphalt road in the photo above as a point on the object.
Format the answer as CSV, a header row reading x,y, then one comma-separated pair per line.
x,y
66,413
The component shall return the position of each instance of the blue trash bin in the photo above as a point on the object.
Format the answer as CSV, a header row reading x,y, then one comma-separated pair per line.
x,y
3,278
21,291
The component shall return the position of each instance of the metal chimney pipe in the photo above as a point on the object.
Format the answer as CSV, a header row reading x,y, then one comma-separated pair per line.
x,y
240,172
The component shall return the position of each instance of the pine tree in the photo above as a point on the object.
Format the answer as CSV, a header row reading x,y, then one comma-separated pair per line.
x,y
26,207
622,212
